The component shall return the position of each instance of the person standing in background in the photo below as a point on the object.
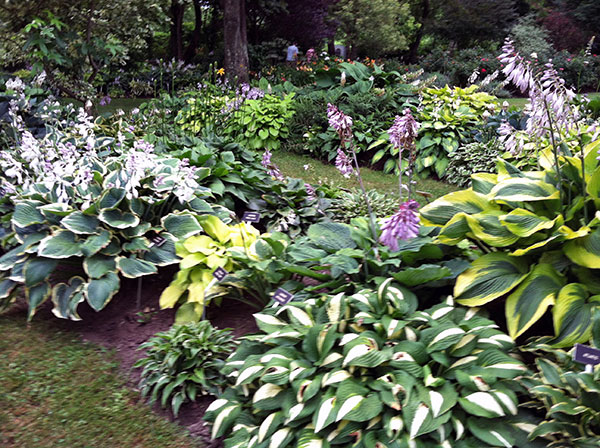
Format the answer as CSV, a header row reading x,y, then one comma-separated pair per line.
x,y
292,54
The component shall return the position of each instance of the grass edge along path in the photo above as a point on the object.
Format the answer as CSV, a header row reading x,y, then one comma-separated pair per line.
x,y
57,391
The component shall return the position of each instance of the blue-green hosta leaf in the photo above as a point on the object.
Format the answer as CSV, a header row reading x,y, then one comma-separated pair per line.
x,y
163,255
524,223
38,270
423,274
497,434
95,243
490,276
98,265
585,251
118,219
36,295
26,213
134,267
12,257
181,225
442,210
487,227
139,230
99,291
62,244
81,224
524,190
113,248
111,198
6,288
529,302
66,298
17,272
572,315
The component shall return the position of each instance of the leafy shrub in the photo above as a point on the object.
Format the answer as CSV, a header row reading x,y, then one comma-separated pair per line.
x,y
568,397
262,123
367,370
531,38
470,159
200,256
184,362
537,248
448,120
351,204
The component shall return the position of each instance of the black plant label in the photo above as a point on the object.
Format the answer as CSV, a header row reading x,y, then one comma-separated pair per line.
x,y
586,355
282,296
251,217
220,273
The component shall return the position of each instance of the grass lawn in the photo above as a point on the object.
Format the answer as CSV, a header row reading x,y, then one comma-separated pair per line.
x,y
56,391
293,165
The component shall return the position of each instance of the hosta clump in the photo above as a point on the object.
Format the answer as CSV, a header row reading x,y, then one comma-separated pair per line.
x,y
368,370
184,362
479,157
194,285
567,397
541,244
351,204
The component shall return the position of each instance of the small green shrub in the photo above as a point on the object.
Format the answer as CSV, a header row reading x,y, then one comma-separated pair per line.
x,y
368,370
184,362
470,159
351,204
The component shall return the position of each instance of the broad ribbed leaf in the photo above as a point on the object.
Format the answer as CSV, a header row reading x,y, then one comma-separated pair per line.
x,y
99,265
524,189
111,198
66,297
27,214
95,243
134,267
490,276
99,291
524,223
487,227
482,404
529,302
224,420
38,270
81,224
423,274
118,219
572,315
36,295
585,251
163,255
445,208
497,434
455,230
331,236
181,225
62,244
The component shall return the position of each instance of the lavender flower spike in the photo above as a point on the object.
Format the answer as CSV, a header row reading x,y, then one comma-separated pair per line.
x,y
404,224
271,168
404,131
344,164
339,121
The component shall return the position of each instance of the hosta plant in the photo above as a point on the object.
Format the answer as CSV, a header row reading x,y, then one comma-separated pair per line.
x,y
368,370
567,397
541,244
184,362
448,119
351,204
478,157
200,255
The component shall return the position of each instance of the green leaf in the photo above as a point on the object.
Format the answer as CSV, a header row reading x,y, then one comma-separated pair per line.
x,y
181,225
36,295
81,224
99,291
490,276
27,213
524,189
423,274
164,254
524,223
62,244
66,298
529,302
111,198
486,227
118,219
38,270
134,267
439,212
497,434
331,236
572,315
98,265
585,251
95,243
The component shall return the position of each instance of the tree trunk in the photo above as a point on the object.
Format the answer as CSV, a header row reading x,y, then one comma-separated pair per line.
x,y
176,39
190,51
236,40
413,50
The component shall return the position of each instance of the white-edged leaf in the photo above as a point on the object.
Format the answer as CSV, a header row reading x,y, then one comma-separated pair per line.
x,y
351,403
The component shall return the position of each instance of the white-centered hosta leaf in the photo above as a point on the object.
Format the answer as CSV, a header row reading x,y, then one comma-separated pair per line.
x,y
219,403
279,437
356,352
294,412
348,405
437,400
486,401
418,420
266,391
325,414
247,373
267,426
335,377
507,402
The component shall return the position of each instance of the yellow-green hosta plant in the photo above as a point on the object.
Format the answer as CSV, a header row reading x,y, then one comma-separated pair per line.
x,y
541,244
368,370
194,285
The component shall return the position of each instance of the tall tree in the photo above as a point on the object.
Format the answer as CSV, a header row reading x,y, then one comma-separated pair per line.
x,y
236,39
177,11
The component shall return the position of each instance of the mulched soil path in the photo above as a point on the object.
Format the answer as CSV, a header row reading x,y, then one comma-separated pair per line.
x,y
121,327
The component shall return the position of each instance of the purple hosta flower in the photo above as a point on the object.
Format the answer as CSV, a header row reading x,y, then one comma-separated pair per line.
x,y
105,100
271,168
404,225
516,69
310,54
143,145
339,121
344,164
311,193
404,131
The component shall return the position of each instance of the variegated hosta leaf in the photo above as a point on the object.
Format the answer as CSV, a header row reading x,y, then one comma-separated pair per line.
x,y
523,189
585,251
224,419
439,212
496,434
524,223
572,315
490,404
490,276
